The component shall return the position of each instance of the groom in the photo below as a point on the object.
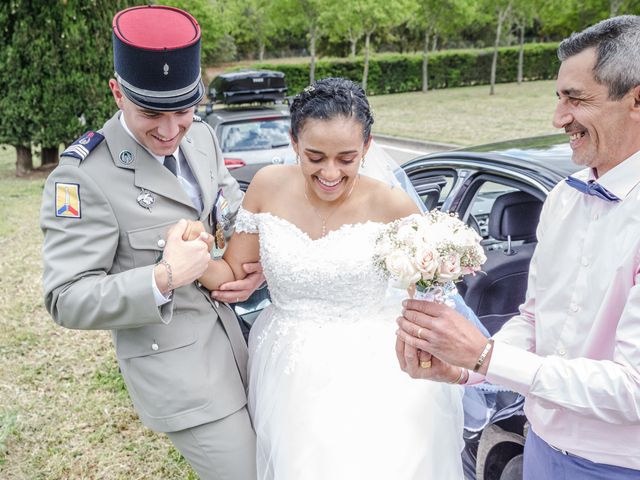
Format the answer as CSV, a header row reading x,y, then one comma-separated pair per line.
x,y
114,213
574,350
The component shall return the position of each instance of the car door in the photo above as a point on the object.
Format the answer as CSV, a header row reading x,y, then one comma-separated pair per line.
x,y
503,206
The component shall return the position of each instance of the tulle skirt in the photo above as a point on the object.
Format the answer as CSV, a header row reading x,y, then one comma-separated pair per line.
x,y
329,402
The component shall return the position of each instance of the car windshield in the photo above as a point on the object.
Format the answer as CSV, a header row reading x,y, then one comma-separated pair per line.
x,y
260,134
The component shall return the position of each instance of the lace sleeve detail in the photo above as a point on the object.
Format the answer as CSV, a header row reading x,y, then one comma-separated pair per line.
x,y
246,221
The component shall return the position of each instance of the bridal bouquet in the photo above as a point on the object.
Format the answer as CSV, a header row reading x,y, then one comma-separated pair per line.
x,y
430,251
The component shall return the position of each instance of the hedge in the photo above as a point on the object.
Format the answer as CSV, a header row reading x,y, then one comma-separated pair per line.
x,y
396,73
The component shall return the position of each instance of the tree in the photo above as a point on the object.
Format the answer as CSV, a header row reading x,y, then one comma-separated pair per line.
x,y
342,24
54,68
255,23
502,9
375,16
438,18
216,24
523,13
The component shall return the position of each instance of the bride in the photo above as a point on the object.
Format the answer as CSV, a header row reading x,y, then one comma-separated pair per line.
x,y
326,396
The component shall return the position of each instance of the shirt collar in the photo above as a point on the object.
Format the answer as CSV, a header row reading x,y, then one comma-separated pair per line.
x,y
159,158
620,180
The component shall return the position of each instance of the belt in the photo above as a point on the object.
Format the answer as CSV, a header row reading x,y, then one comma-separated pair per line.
x,y
564,452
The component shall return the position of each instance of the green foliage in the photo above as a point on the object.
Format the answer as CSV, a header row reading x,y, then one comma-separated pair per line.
x,y
215,25
55,62
395,73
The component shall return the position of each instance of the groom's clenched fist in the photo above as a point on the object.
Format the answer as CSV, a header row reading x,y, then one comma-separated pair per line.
x,y
183,261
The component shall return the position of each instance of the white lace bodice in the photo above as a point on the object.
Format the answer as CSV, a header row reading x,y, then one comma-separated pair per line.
x,y
329,279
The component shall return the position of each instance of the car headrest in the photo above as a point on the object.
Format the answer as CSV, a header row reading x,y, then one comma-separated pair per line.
x,y
515,214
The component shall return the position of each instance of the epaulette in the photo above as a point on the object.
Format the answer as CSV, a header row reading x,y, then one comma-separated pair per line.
x,y
82,147
196,118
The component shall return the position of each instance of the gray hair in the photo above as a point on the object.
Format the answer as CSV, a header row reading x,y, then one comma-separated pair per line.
x,y
617,44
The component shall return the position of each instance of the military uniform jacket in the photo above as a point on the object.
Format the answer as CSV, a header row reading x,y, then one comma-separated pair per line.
x,y
184,363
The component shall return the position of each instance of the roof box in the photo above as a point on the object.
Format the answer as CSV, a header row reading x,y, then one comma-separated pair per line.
x,y
248,86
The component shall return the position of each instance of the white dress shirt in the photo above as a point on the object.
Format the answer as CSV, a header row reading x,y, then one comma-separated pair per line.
x,y
574,350
187,182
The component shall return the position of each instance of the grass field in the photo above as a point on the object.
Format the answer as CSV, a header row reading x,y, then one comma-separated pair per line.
x,y
468,116
64,412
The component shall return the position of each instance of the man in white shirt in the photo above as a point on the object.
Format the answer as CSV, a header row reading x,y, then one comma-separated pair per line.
x,y
574,349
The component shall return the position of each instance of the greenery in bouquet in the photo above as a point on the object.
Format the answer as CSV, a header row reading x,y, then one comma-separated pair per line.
x,y
430,250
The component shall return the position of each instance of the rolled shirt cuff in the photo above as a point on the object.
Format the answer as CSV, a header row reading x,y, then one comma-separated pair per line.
x,y
513,368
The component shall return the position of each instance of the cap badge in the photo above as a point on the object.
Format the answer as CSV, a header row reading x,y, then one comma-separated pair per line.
x,y
165,69
126,157
146,199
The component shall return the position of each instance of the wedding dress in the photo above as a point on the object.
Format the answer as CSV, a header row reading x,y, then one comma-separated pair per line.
x,y
326,395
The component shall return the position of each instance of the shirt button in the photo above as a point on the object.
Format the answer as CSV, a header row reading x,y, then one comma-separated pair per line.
x,y
574,308
561,352
154,346
585,261
161,243
596,216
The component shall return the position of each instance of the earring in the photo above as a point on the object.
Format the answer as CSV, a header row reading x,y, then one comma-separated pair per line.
x,y
362,162
297,159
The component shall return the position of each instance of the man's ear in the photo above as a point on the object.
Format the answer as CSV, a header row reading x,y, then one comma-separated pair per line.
x,y
118,96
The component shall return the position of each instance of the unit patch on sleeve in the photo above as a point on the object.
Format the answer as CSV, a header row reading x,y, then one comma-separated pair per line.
x,y
67,200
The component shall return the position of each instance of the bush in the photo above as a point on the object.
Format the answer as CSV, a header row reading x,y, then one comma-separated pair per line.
x,y
395,73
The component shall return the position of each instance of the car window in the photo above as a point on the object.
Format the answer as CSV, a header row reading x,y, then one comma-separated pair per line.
x,y
434,186
254,135
480,206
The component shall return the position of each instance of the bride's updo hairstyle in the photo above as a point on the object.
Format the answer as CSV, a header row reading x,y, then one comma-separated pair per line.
x,y
329,98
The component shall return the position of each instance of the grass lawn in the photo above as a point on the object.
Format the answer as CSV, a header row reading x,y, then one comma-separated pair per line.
x,y
468,116
64,412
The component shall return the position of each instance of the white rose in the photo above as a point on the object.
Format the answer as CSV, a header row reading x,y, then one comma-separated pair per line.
x,y
449,268
436,233
406,233
402,269
466,238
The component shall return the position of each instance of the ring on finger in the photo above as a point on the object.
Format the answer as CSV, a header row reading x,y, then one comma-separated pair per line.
x,y
419,333
425,364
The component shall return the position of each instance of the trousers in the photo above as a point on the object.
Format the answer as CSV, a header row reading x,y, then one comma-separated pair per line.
x,y
544,462
220,450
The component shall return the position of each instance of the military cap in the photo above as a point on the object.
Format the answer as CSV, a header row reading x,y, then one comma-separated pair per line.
x,y
156,55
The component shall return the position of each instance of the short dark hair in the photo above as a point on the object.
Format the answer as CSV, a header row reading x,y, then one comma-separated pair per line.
x,y
329,98
617,44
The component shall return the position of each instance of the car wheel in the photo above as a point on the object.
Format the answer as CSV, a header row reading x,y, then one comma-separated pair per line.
x,y
496,449
513,469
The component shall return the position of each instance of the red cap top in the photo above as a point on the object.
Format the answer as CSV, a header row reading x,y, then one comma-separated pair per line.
x,y
156,27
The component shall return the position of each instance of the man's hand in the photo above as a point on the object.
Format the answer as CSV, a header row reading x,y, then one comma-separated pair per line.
x,y
443,332
410,359
240,290
187,259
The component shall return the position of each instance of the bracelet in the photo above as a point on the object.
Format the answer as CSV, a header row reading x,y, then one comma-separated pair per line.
x,y
483,355
461,378
169,273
